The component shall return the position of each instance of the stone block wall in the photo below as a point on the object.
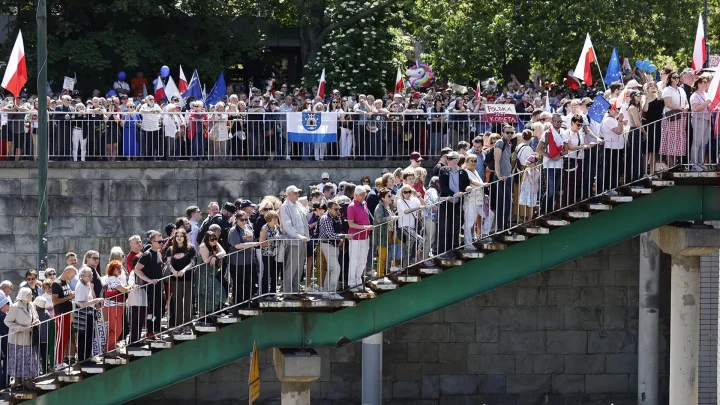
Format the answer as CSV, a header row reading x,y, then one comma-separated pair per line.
x,y
98,205
564,336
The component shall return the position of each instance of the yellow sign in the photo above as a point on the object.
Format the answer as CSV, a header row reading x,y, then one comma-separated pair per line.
x,y
254,380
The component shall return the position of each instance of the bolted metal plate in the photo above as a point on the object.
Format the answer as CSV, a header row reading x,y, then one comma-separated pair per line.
x,y
469,254
447,262
663,183
379,285
405,279
366,294
246,312
428,271
513,238
47,385
143,351
161,344
637,190
556,223
116,361
206,328
535,230
69,376
92,368
576,214
23,395
228,319
492,246
598,207
315,303
695,175
617,199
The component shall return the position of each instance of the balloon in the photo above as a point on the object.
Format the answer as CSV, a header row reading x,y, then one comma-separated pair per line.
x,y
111,93
164,71
122,76
638,64
652,68
420,75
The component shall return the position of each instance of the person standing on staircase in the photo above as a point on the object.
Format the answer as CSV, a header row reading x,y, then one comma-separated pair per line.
x,y
294,224
149,269
358,218
452,182
62,296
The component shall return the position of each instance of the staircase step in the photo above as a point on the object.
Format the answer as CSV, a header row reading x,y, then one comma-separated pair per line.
x,y
576,214
617,199
637,191
534,230
138,351
69,375
554,222
429,270
490,246
514,238
405,278
116,360
165,343
365,294
247,312
182,337
377,285
49,384
228,319
447,262
93,368
597,207
317,303
23,395
695,175
206,328
470,254
662,183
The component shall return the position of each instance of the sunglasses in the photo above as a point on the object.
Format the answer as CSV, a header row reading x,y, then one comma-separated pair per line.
x,y
213,239
242,220
509,133
472,161
407,192
674,77
265,209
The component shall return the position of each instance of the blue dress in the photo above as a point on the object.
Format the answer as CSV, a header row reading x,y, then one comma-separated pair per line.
x,y
130,142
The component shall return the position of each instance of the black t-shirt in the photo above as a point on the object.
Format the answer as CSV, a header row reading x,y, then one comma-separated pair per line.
x,y
152,264
181,258
62,289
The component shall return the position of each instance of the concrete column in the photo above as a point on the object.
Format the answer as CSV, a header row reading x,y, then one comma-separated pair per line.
x,y
684,329
686,245
296,369
649,318
372,347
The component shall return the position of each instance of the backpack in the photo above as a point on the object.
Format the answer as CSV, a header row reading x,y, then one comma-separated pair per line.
x,y
489,156
205,227
517,166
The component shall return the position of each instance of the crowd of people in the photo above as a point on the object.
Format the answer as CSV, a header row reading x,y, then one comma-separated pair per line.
x,y
128,125
336,237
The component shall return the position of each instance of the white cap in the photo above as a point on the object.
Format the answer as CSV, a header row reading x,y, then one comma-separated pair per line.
x,y
40,302
292,189
632,84
325,175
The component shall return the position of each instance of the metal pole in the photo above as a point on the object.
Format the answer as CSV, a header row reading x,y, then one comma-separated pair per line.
x,y
707,47
372,347
41,17
648,318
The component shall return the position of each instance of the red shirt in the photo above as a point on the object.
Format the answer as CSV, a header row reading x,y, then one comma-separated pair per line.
x,y
129,261
358,213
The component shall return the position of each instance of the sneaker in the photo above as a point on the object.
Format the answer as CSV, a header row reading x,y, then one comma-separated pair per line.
x,y
486,240
336,297
697,168
612,193
326,296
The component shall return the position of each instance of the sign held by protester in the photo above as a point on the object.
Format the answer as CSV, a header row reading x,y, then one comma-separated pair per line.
x,y
714,61
254,379
68,83
501,113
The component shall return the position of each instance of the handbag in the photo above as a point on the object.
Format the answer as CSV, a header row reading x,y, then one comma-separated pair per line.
x,y
673,115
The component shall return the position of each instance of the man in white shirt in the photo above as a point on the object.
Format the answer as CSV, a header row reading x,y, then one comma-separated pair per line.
x,y
121,86
151,145
552,162
611,130
294,225
325,180
193,215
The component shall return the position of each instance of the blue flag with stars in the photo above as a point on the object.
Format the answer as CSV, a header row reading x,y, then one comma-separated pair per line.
x,y
614,73
598,109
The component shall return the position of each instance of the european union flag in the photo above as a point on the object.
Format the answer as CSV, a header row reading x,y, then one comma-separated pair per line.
x,y
194,89
598,109
614,73
217,92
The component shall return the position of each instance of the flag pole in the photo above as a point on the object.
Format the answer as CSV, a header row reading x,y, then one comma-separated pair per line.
x,y
601,75
42,134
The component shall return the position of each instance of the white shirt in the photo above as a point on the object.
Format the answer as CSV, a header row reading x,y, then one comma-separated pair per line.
x,y
170,125
408,220
321,186
575,139
137,297
612,140
219,126
194,229
121,85
150,117
677,95
83,293
49,307
547,162
523,153
112,282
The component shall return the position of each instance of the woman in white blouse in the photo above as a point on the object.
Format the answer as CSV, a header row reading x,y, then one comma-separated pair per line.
x,y
673,141
219,133
700,120
408,204
573,164
171,128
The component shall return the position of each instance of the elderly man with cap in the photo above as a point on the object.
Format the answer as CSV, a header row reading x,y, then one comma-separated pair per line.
x,y
294,226
325,180
415,159
453,182
358,218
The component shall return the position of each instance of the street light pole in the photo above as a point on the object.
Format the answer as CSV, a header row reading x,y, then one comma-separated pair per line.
x,y
42,134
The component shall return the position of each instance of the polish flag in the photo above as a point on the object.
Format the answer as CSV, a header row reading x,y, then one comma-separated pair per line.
x,y
159,90
182,84
321,86
16,73
477,90
714,91
699,51
620,100
399,85
571,81
587,56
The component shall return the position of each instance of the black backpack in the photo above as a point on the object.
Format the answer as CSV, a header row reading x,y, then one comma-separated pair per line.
x,y
216,219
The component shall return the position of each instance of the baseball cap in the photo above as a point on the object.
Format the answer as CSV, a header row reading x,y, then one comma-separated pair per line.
x,y
416,156
230,207
292,189
453,155
632,84
246,203
325,175
416,94
39,302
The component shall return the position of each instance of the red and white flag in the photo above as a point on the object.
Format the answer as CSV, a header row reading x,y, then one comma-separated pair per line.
x,y
714,91
699,50
626,64
587,56
477,90
159,90
571,81
16,73
321,86
399,84
620,100
182,85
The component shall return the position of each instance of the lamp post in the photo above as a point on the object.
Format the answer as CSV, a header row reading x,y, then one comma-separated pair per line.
x,y
42,133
